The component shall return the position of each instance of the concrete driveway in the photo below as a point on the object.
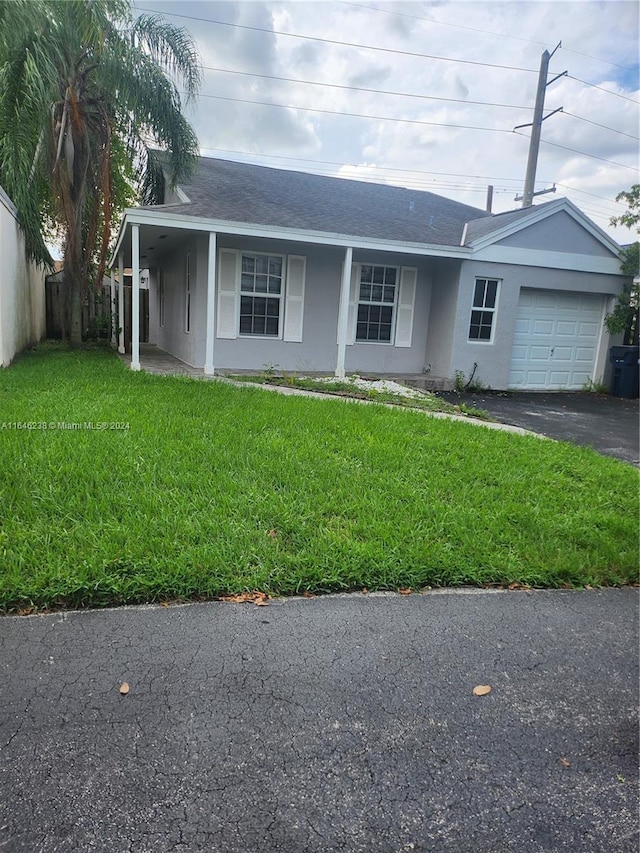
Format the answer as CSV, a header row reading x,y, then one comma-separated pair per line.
x,y
343,723
609,425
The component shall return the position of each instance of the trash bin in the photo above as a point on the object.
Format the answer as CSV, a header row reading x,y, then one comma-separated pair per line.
x,y
624,371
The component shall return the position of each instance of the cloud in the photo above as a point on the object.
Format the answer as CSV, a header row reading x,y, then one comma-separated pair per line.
x,y
455,161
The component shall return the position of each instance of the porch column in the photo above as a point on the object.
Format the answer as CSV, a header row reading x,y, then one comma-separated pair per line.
x,y
112,296
135,297
121,303
343,313
211,303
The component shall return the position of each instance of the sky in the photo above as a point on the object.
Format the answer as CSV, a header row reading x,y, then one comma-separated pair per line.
x,y
425,95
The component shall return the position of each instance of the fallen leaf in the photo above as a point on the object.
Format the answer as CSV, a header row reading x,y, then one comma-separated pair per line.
x,y
365,591
481,690
406,591
586,586
255,597
273,533
565,763
124,688
307,594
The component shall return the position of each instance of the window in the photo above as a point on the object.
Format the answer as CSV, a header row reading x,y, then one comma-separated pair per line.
x,y
485,298
261,294
376,303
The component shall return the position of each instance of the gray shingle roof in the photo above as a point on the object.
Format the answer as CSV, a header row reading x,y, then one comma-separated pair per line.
x,y
242,192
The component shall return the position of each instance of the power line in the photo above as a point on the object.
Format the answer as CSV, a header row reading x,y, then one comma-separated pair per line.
x,y
409,121
477,30
585,192
582,153
400,94
356,115
437,21
418,183
597,124
363,89
408,183
602,89
365,165
597,58
344,43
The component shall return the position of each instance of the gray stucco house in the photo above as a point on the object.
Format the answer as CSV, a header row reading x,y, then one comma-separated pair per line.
x,y
250,266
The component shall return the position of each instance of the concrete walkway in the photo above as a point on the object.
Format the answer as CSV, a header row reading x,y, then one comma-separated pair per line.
x,y
343,723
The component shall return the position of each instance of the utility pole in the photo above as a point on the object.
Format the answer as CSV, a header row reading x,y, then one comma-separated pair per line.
x,y
536,129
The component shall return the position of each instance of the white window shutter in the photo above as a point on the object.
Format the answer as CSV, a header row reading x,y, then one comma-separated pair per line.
x,y
294,302
406,302
353,303
228,296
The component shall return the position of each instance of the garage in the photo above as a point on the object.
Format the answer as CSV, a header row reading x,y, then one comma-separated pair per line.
x,y
556,339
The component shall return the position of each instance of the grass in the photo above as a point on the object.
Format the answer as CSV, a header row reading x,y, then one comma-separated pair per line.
x,y
214,489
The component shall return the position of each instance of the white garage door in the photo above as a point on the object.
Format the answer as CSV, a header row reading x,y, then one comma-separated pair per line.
x,y
556,339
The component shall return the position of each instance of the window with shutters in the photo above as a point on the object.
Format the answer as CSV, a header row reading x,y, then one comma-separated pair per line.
x,y
376,303
485,302
261,292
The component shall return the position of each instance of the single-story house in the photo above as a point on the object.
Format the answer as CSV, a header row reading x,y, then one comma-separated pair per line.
x,y
252,266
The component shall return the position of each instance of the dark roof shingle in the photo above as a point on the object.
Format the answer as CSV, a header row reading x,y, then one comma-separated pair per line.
x,y
261,195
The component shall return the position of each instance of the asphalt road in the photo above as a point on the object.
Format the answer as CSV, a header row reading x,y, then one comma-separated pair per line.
x,y
344,723
608,424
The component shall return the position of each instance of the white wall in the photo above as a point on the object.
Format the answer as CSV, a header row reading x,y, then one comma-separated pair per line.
x,y
22,294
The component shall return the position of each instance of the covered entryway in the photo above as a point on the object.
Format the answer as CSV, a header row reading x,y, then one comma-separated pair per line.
x,y
556,339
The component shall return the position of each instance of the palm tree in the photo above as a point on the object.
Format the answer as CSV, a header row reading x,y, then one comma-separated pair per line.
x,y
87,96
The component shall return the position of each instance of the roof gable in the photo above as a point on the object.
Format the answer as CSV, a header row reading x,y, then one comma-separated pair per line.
x,y
555,226
557,233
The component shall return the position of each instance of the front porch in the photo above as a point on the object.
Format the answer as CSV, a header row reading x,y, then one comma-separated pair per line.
x,y
158,361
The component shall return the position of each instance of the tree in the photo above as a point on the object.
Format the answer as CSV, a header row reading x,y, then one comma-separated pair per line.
x,y
87,96
625,317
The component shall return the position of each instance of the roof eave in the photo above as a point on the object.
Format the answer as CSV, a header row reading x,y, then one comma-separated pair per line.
x,y
138,216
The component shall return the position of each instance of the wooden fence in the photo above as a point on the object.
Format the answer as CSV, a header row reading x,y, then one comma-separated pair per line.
x,y
97,316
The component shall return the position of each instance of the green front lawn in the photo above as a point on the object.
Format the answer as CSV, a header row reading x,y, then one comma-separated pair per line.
x,y
213,489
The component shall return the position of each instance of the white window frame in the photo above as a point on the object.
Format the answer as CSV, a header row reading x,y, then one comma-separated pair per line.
x,y
279,296
393,305
187,296
493,311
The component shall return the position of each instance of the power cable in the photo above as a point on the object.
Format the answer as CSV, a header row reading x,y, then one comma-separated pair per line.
x,y
582,153
344,43
597,124
356,115
365,165
477,30
363,89
602,89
